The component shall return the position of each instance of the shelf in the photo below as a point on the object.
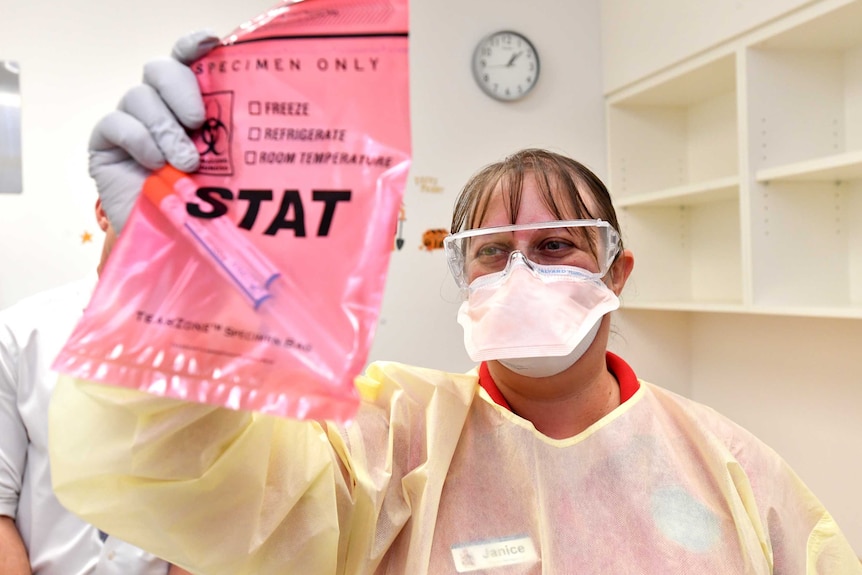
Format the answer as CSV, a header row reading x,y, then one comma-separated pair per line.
x,y
813,312
686,306
738,174
688,253
804,142
837,168
804,86
686,89
688,195
675,134
806,244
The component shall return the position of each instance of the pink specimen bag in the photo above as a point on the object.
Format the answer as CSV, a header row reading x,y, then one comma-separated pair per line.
x,y
256,282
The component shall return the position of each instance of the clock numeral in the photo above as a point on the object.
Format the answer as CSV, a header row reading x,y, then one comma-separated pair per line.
x,y
532,66
484,63
486,78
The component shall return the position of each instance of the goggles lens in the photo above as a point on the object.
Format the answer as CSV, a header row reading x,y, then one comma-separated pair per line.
x,y
587,244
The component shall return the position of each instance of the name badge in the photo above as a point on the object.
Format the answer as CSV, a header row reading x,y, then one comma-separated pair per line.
x,y
480,555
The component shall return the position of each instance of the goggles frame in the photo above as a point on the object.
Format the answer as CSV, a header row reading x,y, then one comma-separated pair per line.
x,y
456,261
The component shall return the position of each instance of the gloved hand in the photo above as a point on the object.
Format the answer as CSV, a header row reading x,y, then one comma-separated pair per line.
x,y
148,128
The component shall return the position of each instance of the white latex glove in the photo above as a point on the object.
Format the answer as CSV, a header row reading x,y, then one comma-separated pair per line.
x,y
149,128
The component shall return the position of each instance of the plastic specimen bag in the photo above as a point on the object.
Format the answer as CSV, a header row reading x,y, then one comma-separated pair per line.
x,y
256,282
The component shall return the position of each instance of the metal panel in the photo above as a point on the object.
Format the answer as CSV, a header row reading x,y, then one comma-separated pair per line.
x,y
10,128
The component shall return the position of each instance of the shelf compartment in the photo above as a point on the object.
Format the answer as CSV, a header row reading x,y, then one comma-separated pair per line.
x,y
688,195
805,97
709,307
807,245
686,252
836,168
796,311
679,132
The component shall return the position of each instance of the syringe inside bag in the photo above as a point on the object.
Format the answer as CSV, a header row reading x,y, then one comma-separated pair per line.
x,y
286,312
217,240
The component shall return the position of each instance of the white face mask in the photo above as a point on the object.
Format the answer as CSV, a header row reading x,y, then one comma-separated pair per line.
x,y
546,366
540,318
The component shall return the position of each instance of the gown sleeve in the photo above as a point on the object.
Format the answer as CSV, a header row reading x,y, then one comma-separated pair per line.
x,y
228,492
797,534
208,488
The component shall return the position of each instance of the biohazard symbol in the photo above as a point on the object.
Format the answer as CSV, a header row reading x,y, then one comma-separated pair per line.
x,y
213,132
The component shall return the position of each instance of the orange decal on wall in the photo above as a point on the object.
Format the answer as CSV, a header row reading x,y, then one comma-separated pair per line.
x,y
433,239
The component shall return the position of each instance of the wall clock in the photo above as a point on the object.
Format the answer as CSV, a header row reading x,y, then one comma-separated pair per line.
x,y
505,65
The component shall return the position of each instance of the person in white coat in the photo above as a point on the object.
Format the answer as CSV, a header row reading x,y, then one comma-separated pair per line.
x,y
38,535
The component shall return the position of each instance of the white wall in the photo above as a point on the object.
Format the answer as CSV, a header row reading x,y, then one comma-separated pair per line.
x,y
77,59
640,38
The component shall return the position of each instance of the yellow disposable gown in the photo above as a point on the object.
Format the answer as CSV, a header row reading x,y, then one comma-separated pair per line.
x,y
433,477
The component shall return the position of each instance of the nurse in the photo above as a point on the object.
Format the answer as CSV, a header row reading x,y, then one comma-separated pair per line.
x,y
550,457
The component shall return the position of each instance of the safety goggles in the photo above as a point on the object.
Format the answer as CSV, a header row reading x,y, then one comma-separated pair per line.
x,y
587,244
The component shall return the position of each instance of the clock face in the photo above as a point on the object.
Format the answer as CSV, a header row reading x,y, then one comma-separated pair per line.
x,y
505,65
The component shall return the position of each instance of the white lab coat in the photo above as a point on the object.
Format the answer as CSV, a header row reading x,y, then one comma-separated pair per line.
x,y
32,333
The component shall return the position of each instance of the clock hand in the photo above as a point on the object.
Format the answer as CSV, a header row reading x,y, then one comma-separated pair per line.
x,y
512,59
508,64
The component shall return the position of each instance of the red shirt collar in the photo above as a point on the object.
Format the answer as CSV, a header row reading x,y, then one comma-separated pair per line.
x,y
624,374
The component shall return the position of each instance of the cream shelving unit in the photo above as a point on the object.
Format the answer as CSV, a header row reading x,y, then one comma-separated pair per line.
x,y
738,173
